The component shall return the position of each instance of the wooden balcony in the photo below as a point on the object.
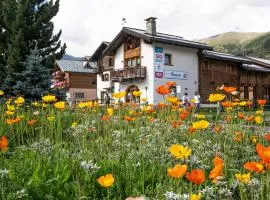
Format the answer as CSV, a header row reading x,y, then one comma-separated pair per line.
x,y
127,74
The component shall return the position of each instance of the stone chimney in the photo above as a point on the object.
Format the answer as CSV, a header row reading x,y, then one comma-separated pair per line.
x,y
151,26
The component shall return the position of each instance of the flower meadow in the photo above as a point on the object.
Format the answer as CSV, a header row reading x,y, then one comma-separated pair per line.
x,y
52,150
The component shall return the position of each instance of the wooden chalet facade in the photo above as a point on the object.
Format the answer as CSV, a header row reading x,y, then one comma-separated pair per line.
x,y
77,79
252,79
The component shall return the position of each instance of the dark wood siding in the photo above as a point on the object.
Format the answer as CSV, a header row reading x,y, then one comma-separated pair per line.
x,y
82,80
213,73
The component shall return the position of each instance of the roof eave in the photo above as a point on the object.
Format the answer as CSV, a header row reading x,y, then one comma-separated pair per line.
x,y
183,44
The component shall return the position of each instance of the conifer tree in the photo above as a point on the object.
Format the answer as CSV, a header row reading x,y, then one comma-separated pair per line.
x,y
21,23
35,80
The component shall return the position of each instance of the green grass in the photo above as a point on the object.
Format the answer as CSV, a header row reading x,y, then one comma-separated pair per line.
x,y
53,160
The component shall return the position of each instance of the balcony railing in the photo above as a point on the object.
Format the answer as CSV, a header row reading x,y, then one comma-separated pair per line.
x,y
127,74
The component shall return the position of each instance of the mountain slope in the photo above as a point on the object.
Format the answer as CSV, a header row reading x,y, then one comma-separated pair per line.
x,y
241,43
231,37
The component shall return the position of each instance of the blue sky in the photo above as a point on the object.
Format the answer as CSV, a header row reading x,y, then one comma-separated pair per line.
x,y
85,23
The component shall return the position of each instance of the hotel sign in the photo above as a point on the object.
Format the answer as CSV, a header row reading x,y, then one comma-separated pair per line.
x,y
159,62
176,75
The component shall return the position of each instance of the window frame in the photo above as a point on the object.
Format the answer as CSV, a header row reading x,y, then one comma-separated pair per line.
x,y
170,59
79,93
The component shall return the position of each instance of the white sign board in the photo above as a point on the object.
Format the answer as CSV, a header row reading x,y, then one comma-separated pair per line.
x,y
176,75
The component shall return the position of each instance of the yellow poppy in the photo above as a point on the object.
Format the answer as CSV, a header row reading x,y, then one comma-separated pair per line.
x,y
180,151
216,97
244,178
106,181
203,124
60,105
19,100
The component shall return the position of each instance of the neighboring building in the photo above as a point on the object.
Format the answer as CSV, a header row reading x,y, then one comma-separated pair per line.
x,y
77,79
145,59
252,79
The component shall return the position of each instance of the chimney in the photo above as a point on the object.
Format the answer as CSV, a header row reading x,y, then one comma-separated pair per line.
x,y
151,26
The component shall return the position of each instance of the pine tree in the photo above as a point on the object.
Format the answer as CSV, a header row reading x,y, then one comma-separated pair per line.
x,y
23,22
35,80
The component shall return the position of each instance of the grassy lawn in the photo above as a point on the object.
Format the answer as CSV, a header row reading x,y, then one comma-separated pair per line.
x,y
163,152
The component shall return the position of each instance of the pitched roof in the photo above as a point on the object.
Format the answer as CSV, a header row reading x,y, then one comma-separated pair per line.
x,y
99,50
159,38
76,66
224,56
260,61
253,67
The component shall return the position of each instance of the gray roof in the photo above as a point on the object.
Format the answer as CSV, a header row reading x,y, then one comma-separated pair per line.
x,y
159,38
265,61
224,56
253,67
76,66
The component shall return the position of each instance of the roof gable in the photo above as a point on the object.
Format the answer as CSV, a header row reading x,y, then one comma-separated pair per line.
x,y
159,38
98,52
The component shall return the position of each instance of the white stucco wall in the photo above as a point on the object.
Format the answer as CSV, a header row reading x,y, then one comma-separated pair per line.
x,y
101,85
185,60
119,58
147,60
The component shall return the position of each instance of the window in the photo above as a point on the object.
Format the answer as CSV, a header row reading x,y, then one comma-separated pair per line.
x,y
133,62
79,95
168,59
110,62
105,77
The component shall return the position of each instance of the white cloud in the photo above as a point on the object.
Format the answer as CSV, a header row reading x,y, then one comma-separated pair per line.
x,y
86,23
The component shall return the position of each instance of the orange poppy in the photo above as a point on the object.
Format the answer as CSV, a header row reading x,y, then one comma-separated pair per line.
x,y
229,89
218,168
253,166
240,115
105,117
31,122
227,104
217,129
250,118
170,84
196,176
129,119
261,102
13,121
191,129
267,136
176,124
163,90
238,136
161,105
184,114
263,153
177,171
152,120
4,144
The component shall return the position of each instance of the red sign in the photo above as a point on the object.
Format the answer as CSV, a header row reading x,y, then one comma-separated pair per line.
x,y
159,74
